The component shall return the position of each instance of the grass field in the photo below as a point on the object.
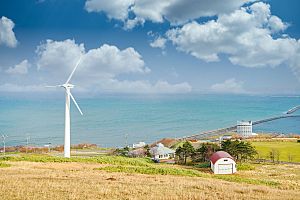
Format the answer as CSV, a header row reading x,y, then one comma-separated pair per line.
x,y
288,150
109,177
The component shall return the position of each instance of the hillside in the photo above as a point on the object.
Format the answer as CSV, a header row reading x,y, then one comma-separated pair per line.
x,y
109,177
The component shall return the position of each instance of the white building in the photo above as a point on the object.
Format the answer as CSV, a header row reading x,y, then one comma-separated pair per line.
x,y
222,162
160,152
244,128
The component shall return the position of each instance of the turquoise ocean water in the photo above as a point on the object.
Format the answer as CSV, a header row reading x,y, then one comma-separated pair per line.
x,y
109,120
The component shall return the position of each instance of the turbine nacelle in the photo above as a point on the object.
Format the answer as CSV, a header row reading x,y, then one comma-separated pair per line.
x,y
67,85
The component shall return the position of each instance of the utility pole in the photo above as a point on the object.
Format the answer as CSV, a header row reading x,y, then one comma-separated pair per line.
x,y
3,140
126,140
27,142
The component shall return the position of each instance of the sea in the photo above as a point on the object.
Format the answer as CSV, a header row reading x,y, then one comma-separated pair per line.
x,y
119,120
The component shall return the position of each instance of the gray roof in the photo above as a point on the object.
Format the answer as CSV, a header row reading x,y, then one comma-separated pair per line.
x,y
160,149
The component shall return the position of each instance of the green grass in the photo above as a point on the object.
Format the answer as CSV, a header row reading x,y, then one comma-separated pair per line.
x,y
239,179
154,170
116,160
245,166
164,170
2,165
285,149
134,166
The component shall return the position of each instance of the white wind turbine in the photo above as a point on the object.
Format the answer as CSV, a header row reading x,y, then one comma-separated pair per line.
x,y
68,87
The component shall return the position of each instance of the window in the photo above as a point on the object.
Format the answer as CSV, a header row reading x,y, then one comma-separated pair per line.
x,y
225,160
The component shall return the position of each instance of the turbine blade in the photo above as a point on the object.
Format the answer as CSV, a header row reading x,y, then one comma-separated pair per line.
x,y
74,101
52,86
78,62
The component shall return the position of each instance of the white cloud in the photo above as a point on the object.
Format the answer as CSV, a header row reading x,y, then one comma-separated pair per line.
x,y
131,23
100,68
229,86
182,11
7,36
58,55
111,60
245,35
21,68
117,9
159,42
175,11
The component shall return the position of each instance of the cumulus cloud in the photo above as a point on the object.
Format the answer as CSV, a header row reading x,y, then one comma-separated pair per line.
x,y
58,55
21,68
117,9
175,11
229,86
245,35
107,60
7,35
159,42
100,68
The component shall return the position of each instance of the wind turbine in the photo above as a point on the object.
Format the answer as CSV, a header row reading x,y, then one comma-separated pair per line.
x,y
67,86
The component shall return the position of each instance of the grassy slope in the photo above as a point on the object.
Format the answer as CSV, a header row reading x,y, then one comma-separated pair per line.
x,y
285,148
138,165
80,180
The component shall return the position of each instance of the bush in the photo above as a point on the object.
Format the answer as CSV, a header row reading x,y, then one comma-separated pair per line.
x,y
203,165
2,165
298,141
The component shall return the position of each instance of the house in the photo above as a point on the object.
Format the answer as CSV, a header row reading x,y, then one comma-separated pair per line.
x,y
162,153
222,162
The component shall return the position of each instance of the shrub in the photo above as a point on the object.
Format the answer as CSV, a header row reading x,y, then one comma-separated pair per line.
x,y
2,165
203,165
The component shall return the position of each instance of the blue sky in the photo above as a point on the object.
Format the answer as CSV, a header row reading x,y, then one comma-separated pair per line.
x,y
133,46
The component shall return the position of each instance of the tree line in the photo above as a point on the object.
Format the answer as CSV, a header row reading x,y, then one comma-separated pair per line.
x,y
239,150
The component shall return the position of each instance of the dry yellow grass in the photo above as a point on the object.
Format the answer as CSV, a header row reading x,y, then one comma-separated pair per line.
x,y
30,180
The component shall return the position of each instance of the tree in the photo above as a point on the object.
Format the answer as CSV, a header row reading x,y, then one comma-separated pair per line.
x,y
274,155
290,157
240,150
204,152
122,152
147,148
185,151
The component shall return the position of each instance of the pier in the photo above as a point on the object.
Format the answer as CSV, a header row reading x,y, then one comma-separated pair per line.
x,y
292,110
222,131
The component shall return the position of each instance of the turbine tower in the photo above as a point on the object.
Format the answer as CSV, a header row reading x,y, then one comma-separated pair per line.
x,y
67,86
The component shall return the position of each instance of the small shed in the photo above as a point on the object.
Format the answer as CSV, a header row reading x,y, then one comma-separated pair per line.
x,y
160,152
222,162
